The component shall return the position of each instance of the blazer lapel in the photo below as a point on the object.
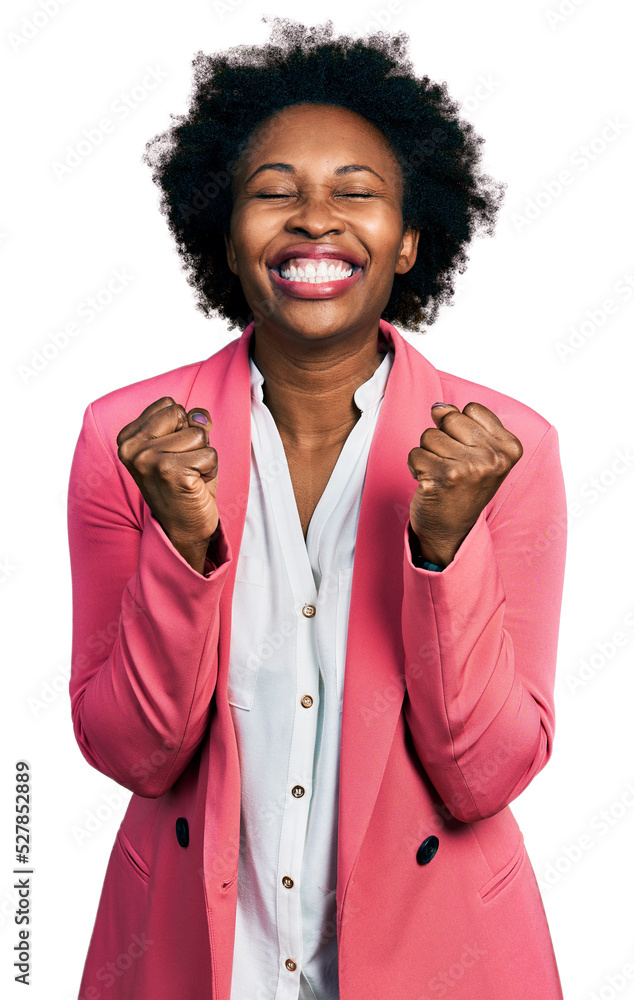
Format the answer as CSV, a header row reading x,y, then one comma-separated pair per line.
x,y
223,386
373,682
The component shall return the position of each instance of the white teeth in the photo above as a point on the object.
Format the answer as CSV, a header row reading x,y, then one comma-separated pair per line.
x,y
315,275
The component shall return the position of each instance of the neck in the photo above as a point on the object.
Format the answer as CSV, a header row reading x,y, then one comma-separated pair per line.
x,y
310,393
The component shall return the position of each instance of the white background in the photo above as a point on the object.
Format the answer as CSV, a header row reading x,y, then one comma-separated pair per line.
x,y
539,86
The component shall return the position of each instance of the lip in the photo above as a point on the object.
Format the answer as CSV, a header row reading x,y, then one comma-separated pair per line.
x,y
316,250
310,289
313,290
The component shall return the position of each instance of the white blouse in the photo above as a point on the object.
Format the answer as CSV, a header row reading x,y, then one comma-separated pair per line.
x,y
286,668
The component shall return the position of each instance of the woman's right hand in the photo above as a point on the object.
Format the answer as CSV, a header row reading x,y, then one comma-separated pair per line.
x,y
166,451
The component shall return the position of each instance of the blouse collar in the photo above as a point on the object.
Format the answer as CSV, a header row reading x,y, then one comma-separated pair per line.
x,y
366,395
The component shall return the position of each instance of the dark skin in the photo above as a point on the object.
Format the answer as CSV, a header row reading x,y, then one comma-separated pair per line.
x,y
314,353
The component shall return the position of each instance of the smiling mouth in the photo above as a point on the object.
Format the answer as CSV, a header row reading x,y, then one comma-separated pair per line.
x,y
316,271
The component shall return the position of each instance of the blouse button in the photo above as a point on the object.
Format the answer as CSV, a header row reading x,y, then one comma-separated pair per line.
x,y
309,610
307,701
290,964
287,882
297,791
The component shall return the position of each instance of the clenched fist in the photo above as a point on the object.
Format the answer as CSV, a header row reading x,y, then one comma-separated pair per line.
x,y
459,466
166,451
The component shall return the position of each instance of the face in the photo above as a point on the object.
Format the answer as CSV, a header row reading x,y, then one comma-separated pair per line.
x,y
316,233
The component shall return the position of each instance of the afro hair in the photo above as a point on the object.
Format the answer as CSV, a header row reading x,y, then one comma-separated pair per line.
x,y
445,195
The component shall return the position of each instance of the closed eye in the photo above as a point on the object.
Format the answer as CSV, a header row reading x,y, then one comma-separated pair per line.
x,y
340,194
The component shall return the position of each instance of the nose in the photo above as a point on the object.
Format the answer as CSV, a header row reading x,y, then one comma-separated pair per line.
x,y
314,215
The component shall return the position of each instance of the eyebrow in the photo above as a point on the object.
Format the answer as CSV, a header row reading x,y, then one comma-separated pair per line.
x,y
287,168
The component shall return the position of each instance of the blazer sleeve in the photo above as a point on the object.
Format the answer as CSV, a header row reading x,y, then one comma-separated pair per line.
x,y
145,629
480,642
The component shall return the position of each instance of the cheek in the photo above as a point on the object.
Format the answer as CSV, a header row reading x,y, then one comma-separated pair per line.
x,y
384,231
251,232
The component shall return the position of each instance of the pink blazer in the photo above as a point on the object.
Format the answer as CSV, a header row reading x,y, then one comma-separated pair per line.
x,y
447,712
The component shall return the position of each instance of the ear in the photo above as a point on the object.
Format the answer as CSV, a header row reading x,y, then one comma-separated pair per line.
x,y
409,248
231,256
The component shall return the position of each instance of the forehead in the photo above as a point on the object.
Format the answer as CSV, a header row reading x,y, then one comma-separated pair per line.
x,y
319,127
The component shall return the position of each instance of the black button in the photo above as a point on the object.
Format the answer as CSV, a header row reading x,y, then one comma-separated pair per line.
x,y
182,831
427,849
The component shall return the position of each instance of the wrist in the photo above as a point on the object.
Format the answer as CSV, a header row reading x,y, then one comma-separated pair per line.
x,y
196,553
430,555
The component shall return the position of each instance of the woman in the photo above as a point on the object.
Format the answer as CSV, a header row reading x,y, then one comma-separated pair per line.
x,y
326,669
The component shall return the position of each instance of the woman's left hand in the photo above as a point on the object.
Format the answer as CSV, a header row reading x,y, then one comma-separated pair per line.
x,y
459,466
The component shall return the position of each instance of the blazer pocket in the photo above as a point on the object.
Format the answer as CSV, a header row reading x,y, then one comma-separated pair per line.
x,y
344,589
132,857
505,875
248,638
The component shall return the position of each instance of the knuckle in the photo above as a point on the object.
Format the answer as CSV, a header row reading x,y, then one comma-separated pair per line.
x,y
450,417
501,462
165,463
143,460
177,408
198,435
481,465
452,474
515,447
124,450
428,489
